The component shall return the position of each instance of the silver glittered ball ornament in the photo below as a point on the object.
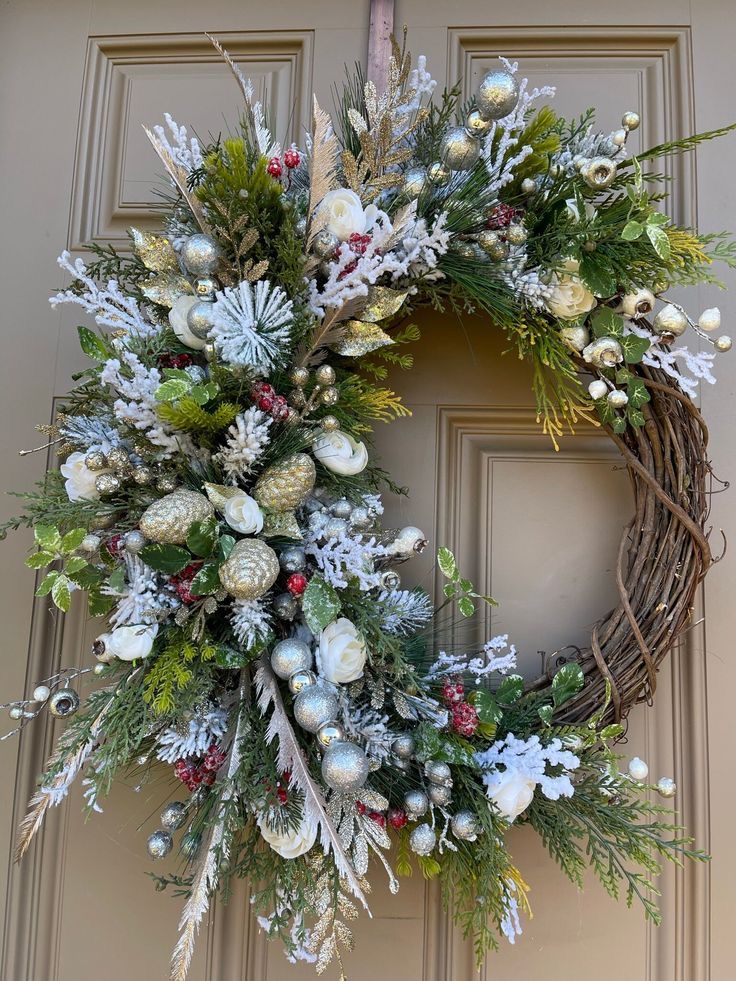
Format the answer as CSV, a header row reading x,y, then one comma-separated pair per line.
x,y
285,606
200,254
325,374
299,376
117,458
415,180
465,826
459,148
335,528
206,287
301,679
329,423
345,767
325,244
107,483
342,508
167,483
159,844
404,746
290,655
360,518
173,816
134,541
498,94
41,693
422,839
95,460
723,343
143,475
329,733
416,803
439,173
293,559
436,771
64,703
516,234
493,245
200,318
477,124
314,706
439,795
90,543
666,786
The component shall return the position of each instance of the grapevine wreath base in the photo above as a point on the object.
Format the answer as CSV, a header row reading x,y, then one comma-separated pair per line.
x,y
218,504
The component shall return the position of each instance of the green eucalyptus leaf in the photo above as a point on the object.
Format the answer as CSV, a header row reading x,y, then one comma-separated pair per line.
x,y
320,604
567,682
168,559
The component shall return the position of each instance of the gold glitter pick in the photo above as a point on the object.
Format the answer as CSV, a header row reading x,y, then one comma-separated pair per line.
x,y
281,524
358,338
166,288
382,302
155,252
220,494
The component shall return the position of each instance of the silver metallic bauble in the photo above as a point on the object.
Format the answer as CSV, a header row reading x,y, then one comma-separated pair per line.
x,y
459,148
200,254
293,559
329,423
190,844
200,318
41,693
723,343
285,606
439,173
301,679
90,543
290,655
493,245
667,786
325,375
710,319
476,124
173,815
416,803
159,844
335,528
599,173
206,287
95,460
117,457
361,518
440,796
637,304
250,570
605,352
631,120
465,826
575,336
617,399
422,839
329,733
516,234
498,94
438,772
166,483
314,706
345,767
390,579
670,320
64,703
134,541
167,520
325,244
342,508
404,746
143,475
16,712
329,396
299,376
620,137
107,483
415,180
409,540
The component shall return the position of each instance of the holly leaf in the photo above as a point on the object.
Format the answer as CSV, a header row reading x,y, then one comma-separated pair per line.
x,y
225,545
72,540
47,537
632,230
486,706
202,537
660,241
510,690
169,559
40,559
61,594
92,345
320,604
634,347
172,390
448,565
596,275
207,580
567,682
605,323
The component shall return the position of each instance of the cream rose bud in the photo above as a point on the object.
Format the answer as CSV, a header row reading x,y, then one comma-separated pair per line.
x,y
132,643
178,320
243,514
512,793
80,480
597,389
341,653
570,298
340,453
292,842
344,213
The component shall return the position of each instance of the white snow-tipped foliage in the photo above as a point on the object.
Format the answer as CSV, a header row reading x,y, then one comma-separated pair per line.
x,y
246,440
252,325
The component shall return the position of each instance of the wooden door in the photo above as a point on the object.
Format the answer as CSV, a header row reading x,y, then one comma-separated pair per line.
x,y
78,78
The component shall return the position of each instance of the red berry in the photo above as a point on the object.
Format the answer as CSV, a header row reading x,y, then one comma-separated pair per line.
x,y
292,158
262,388
453,691
115,545
182,582
279,407
501,216
265,403
282,794
464,719
274,167
397,818
360,807
378,818
208,779
296,583
358,243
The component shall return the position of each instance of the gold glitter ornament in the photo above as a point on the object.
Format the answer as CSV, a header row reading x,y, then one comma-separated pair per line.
x,y
599,173
167,520
476,124
166,288
155,252
286,484
250,570
498,94
459,148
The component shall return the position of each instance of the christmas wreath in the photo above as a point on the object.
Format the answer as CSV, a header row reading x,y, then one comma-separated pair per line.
x,y
218,504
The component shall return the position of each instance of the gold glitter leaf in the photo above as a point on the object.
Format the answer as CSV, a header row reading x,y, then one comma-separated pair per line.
x,y
166,288
220,494
155,252
281,524
357,338
383,302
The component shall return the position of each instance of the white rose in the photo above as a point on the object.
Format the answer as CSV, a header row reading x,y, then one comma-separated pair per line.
x,y
570,298
178,320
574,210
340,453
243,514
341,653
345,214
292,842
80,480
512,792
132,643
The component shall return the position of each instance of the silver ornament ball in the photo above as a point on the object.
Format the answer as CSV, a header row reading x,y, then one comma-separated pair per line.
x,y
439,173
438,772
200,255
107,483
95,460
289,656
299,680
459,148
134,541
335,528
476,124
415,180
90,543
206,287
666,786
16,713
329,423
329,733
361,518
345,767
465,826
342,508
159,844
299,376
723,343
167,484
416,803
516,234
404,746
422,839
64,703
325,244
314,706
439,795
173,815
493,245
293,559
143,475
285,606
118,458
498,94
99,669
329,396
41,693
200,318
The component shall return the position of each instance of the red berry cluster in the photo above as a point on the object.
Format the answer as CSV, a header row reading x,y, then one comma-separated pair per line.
x,y
275,165
453,691
115,545
397,818
292,158
174,360
296,583
281,791
463,716
192,773
376,816
502,216
358,244
182,582
266,399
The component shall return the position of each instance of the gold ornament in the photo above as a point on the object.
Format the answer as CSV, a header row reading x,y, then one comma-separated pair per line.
x,y
498,94
599,173
281,524
155,252
382,302
167,520
250,570
358,338
220,494
286,484
459,148
166,288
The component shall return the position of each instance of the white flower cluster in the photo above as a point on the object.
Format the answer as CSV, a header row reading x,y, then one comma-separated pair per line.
x,y
528,759
251,324
403,612
109,306
246,439
672,361
250,622
194,738
140,600
345,558
494,657
185,151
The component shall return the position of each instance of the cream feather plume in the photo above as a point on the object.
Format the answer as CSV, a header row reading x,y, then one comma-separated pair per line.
x,y
323,169
179,176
